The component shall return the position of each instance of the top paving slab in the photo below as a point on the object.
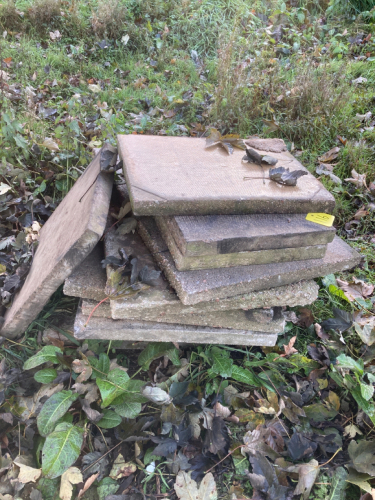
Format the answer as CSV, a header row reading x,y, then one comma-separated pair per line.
x,y
223,234
66,239
179,176
197,286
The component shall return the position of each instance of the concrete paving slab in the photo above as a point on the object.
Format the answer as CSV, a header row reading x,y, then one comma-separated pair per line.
x,y
110,329
223,234
89,278
66,239
164,300
179,176
189,263
193,287
264,320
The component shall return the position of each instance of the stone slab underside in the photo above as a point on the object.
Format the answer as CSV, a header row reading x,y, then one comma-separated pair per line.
x,y
66,239
263,320
190,263
179,176
225,234
109,329
193,287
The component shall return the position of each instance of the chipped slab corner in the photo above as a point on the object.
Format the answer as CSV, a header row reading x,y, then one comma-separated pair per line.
x,y
66,239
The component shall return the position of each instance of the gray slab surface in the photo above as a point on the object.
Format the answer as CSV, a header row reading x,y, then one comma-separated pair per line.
x,y
189,263
164,300
179,176
89,278
110,329
224,234
264,320
193,287
66,239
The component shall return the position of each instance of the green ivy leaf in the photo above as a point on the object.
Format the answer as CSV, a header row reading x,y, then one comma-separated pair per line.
x,y
99,366
109,420
128,409
114,386
155,350
222,365
45,376
61,449
53,409
47,353
367,391
344,361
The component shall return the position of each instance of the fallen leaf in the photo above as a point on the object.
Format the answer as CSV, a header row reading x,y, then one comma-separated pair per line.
x,y
357,179
288,348
360,213
356,289
364,118
121,468
50,144
87,484
55,35
4,188
83,367
351,430
187,489
307,476
330,155
95,88
228,142
72,476
27,474
281,175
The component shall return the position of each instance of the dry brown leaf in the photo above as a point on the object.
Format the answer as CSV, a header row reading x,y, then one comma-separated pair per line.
x,y
288,348
221,411
330,155
83,367
121,468
228,142
28,474
333,400
360,213
55,35
72,476
87,484
357,179
356,289
50,144
307,476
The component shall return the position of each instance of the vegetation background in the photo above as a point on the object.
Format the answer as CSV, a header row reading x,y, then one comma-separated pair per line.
x,y
73,75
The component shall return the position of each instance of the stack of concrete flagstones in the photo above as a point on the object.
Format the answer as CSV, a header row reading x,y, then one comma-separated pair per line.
x,y
233,246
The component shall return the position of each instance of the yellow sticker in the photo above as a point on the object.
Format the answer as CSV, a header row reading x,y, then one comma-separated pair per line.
x,y
323,219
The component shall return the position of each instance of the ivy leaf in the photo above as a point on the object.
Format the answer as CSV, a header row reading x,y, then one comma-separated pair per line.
x,y
114,386
45,376
61,449
109,420
47,353
341,322
53,409
132,394
156,350
222,365
128,409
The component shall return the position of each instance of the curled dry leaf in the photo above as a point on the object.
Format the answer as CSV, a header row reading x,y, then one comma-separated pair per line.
x,y
55,35
307,476
330,155
83,367
72,476
360,213
288,348
356,289
281,175
121,468
87,484
357,179
50,144
27,474
228,142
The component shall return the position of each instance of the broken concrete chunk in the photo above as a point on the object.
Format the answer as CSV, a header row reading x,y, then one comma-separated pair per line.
x,y
66,239
193,287
269,145
179,176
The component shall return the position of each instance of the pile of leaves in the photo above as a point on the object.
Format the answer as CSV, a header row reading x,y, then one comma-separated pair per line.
x,y
260,423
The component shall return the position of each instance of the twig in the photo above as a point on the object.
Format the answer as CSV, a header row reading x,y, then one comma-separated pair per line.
x,y
95,308
333,456
230,453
